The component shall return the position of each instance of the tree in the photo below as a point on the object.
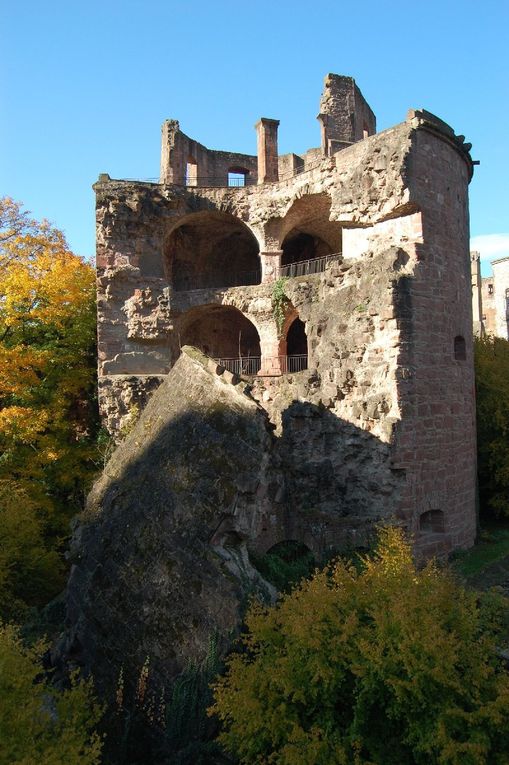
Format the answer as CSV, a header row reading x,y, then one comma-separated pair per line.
x,y
47,370
376,664
39,724
492,389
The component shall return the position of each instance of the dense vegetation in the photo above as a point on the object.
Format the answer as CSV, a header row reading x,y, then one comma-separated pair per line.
x,y
386,664
47,420
492,388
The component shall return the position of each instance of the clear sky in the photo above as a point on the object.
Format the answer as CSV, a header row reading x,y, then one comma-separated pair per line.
x,y
86,86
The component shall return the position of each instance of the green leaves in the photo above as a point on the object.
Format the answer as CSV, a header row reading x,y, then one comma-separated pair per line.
x,y
382,664
492,391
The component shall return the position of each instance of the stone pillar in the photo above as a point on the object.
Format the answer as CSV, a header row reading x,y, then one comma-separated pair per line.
x,y
173,159
270,348
271,263
475,264
266,130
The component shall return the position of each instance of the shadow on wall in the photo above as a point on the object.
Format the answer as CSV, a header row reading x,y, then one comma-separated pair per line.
x,y
161,560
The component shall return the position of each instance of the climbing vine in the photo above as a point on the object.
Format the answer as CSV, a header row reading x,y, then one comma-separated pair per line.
x,y
279,303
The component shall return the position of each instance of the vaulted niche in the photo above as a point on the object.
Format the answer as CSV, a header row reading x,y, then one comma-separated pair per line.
x,y
225,334
307,233
293,348
211,249
296,340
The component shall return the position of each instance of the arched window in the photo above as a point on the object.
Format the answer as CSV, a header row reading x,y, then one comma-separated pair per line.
x,y
432,521
460,349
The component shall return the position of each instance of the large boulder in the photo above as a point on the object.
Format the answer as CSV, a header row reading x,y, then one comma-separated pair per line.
x,y
160,563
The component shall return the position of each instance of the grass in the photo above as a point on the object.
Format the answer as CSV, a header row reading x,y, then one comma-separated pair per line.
x,y
493,546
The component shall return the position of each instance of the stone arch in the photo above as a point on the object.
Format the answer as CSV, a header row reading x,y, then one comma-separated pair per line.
x,y
211,249
293,345
285,563
306,232
223,333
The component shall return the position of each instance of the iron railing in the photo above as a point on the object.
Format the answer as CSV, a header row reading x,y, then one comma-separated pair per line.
x,y
225,281
216,181
274,366
306,267
248,365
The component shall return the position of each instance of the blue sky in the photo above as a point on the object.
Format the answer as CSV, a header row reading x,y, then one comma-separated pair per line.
x,y
86,86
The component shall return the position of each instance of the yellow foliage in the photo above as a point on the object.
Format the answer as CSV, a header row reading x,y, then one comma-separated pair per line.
x,y
47,368
37,723
378,663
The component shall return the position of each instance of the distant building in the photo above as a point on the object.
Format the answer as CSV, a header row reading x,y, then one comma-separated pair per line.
x,y
490,298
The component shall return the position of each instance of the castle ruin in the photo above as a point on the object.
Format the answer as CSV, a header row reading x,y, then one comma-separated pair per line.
x,y
366,239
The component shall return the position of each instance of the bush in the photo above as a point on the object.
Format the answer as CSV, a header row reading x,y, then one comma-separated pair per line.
x,y
373,664
492,388
38,724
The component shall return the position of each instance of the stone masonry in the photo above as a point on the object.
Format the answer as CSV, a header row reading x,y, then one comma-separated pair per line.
x,y
368,378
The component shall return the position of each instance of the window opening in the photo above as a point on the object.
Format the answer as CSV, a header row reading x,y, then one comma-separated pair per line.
x,y
191,172
237,176
432,521
460,349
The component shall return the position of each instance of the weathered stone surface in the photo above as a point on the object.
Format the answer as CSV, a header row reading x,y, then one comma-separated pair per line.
x,y
160,560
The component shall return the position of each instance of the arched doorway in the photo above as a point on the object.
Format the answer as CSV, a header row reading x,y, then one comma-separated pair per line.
x,y
211,250
225,334
295,348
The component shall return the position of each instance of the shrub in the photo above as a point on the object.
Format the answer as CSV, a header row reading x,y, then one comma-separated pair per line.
x,y
374,664
38,724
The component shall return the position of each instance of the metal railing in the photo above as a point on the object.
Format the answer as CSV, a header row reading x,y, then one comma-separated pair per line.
x,y
307,267
248,365
273,366
224,281
216,181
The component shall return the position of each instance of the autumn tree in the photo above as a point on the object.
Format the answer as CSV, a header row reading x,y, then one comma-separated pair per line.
x,y
39,724
47,365
375,664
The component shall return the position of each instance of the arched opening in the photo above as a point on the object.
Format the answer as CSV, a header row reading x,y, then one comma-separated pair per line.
x,y
308,237
225,334
365,130
191,172
432,521
238,176
299,246
460,348
211,250
296,347
285,564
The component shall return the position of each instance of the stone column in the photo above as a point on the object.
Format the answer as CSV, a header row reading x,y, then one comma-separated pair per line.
x,y
266,130
173,161
475,263
270,349
271,263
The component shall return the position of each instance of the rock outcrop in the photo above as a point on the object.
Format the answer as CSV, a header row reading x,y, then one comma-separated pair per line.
x,y
159,558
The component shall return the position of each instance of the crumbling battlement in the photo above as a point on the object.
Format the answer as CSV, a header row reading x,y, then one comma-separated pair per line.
x,y
365,241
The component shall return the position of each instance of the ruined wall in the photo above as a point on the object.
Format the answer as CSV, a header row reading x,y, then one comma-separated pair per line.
x,y
208,167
